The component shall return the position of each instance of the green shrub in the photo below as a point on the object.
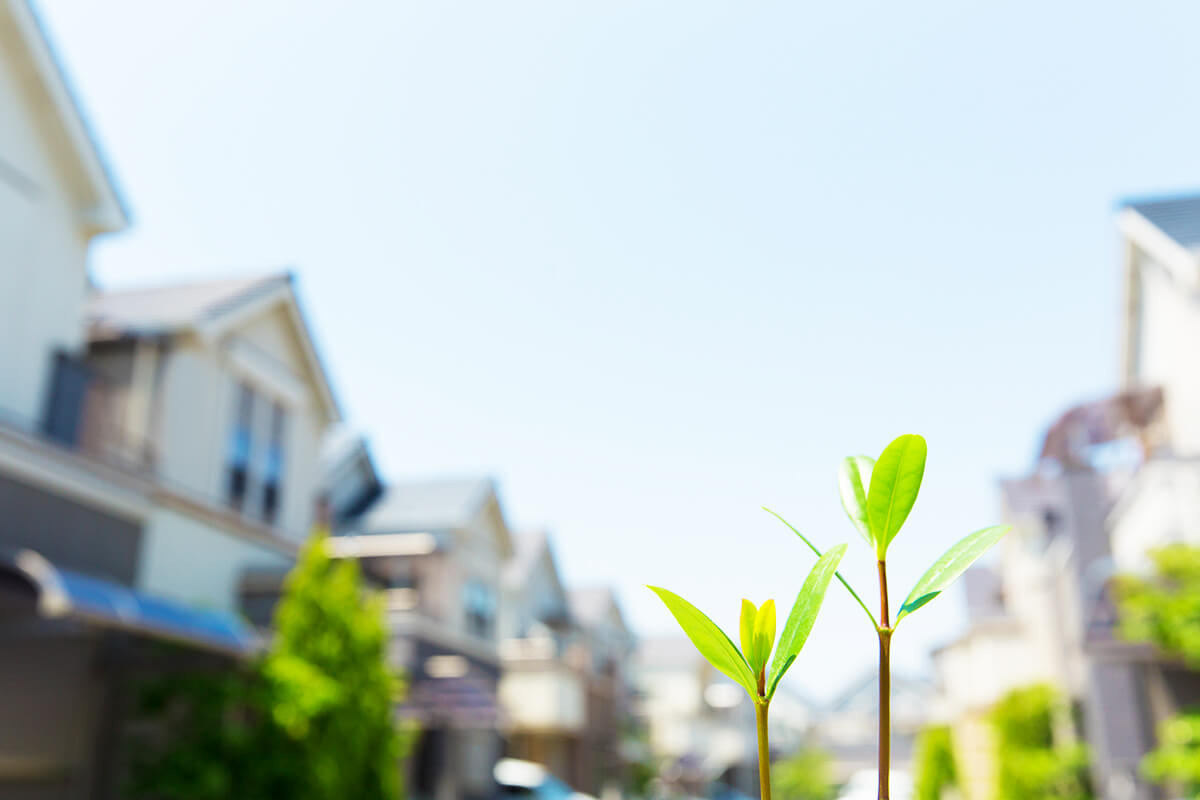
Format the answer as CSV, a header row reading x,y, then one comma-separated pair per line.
x,y
807,775
1031,766
934,763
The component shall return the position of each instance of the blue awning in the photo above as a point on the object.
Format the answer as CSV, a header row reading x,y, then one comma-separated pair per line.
x,y
65,594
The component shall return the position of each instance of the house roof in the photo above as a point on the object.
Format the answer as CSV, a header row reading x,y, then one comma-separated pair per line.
x,y
23,35
1177,216
594,605
208,308
170,308
528,549
428,506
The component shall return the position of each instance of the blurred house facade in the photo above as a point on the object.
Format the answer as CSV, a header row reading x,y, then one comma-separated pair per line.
x,y
438,548
848,729
1115,478
153,446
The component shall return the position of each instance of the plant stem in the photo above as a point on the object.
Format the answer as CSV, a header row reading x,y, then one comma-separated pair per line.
x,y
885,685
764,751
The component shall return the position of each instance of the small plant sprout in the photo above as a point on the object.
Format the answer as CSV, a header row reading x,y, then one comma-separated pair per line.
x,y
878,495
749,666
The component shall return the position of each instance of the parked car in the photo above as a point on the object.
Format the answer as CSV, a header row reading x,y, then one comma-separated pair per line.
x,y
525,780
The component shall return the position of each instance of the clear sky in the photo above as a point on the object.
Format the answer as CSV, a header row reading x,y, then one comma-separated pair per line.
x,y
655,264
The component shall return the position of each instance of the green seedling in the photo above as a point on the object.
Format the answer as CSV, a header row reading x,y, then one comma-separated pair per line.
x,y
878,495
749,666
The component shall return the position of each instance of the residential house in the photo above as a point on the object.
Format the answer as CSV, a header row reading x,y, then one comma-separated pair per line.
x,y
437,547
543,688
153,446
1115,478
609,643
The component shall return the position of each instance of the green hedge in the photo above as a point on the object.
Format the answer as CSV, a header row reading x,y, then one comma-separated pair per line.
x,y
1030,766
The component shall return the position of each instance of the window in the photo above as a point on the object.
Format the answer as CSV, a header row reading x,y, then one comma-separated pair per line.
x,y
254,466
273,465
479,602
240,443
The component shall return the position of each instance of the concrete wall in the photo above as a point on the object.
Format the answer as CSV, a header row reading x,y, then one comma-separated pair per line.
x,y
43,248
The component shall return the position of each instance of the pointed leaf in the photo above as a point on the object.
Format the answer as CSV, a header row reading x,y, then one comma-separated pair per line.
x,y
710,640
764,635
954,562
895,482
854,476
749,612
804,613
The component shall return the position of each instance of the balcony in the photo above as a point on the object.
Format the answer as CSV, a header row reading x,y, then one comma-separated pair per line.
x,y
541,689
95,417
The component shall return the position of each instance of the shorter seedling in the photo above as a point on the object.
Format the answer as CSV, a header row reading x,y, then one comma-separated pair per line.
x,y
748,667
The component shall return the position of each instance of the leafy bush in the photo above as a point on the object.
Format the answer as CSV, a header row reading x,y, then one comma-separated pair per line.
x,y
934,763
312,720
1164,609
1031,765
807,775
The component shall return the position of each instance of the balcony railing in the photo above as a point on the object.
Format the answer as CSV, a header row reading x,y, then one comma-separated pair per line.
x,y
91,415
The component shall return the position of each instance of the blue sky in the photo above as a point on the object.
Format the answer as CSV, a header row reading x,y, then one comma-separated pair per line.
x,y
655,264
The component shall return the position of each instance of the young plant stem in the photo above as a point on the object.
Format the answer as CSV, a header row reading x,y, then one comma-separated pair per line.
x,y
764,751
885,685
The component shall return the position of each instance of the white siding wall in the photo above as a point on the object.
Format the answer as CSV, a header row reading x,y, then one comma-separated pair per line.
x,y
1164,508
196,563
199,395
43,255
1168,348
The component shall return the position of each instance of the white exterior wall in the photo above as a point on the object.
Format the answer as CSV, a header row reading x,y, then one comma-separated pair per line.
x,y
1163,507
196,563
1167,339
43,253
198,406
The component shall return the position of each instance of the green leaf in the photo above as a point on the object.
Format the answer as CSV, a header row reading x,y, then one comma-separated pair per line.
x,y
710,640
764,635
954,562
854,476
804,613
746,624
895,482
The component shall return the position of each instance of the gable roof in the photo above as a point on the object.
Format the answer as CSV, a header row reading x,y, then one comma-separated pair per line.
x,y
529,547
170,308
438,505
207,308
595,605
23,36
1177,216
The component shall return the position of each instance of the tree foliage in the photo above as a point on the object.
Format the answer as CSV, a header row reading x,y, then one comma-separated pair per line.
x,y
934,763
1164,609
1031,765
311,720
807,775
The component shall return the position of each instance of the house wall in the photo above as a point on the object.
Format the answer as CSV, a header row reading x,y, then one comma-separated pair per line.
x,y
1163,507
43,272
1168,330
197,563
198,398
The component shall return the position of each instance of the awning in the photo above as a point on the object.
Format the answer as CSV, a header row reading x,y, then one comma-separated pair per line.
x,y
65,594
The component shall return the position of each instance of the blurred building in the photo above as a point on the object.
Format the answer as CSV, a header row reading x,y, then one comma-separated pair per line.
x,y
607,645
438,549
848,729
566,682
700,724
1115,478
154,447
544,685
